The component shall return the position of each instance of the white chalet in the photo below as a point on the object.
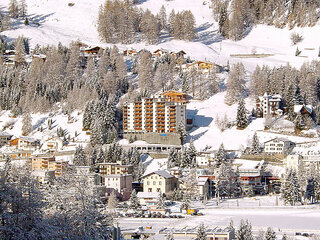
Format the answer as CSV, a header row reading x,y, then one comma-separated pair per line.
x,y
52,144
268,104
278,146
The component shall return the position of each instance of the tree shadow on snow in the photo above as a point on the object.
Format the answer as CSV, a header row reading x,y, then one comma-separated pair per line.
x,y
206,36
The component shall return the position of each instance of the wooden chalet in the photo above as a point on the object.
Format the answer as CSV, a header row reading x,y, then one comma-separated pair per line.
x,y
129,52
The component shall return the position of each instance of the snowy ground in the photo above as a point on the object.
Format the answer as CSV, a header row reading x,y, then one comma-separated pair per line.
x,y
61,23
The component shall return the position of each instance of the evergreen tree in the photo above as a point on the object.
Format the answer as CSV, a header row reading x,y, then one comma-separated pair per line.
x,y
80,158
112,201
185,202
284,237
298,121
290,189
220,156
255,147
245,231
13,9
224,181
172,158
242,120
235,84
270,234
26,124
182,132
160,202
310,193
201,232
290,103
22,8
134,201
20,51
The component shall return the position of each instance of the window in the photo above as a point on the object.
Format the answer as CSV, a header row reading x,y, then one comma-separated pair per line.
x,y
158,190
148,183
154,182
160,182
149,189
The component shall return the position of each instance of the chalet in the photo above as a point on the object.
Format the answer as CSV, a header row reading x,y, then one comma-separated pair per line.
x,y
204,67
129,52
280,146
4,138
159,53
159,181
180,54
42,57
268,105
24,143
91,50
175,96
52,144
303,109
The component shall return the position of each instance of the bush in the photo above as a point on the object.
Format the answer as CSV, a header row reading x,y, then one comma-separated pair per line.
x,y
296,38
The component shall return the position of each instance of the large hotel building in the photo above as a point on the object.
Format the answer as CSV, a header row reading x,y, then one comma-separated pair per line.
x,y
159,114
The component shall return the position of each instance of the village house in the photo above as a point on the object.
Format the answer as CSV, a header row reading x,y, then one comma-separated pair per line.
x,y
269,105
204,67
4,138
160,53
303,109
114,168
129,52
53,144
175,96
159,181
279,146
24,143
251,172
120,183
90,51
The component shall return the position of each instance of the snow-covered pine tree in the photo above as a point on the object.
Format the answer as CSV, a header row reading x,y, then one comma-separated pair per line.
x,y
162,18
160,202
185,202
201,232
80,158
284,237
134,201
270,234
192,154
245,231
22,8
309,192
220,156
298,121
236,184
224,180
20,51
290,189
172,158
235,84
98,132
255,147
242,120
190,181
26,124
182,132
112,201
13,9
290,103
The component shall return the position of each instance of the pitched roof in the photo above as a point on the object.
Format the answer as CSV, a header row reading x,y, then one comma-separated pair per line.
x,y
280,139
161,173
3,134
297,108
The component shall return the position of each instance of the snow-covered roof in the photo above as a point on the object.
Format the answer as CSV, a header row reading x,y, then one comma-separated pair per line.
x,y
148,194
279,139
29,139
162,173
297,108
4,134
202,181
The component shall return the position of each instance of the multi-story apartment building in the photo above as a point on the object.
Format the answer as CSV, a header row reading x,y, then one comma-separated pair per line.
x,y
48,163
159,181
156,114
268,105
114,168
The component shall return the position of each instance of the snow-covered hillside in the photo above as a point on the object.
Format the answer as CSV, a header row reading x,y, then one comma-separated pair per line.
x,y
62,23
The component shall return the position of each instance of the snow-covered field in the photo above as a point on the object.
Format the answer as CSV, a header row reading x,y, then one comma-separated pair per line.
x,y
61,23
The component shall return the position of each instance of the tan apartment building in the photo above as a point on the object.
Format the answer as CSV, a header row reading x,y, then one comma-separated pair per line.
x,y
48,163
114,168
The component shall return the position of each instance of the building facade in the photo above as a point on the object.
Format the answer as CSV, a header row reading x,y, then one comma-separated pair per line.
x,y
268,105
159,181
120,183
155,115
114,168
48,163
278,146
